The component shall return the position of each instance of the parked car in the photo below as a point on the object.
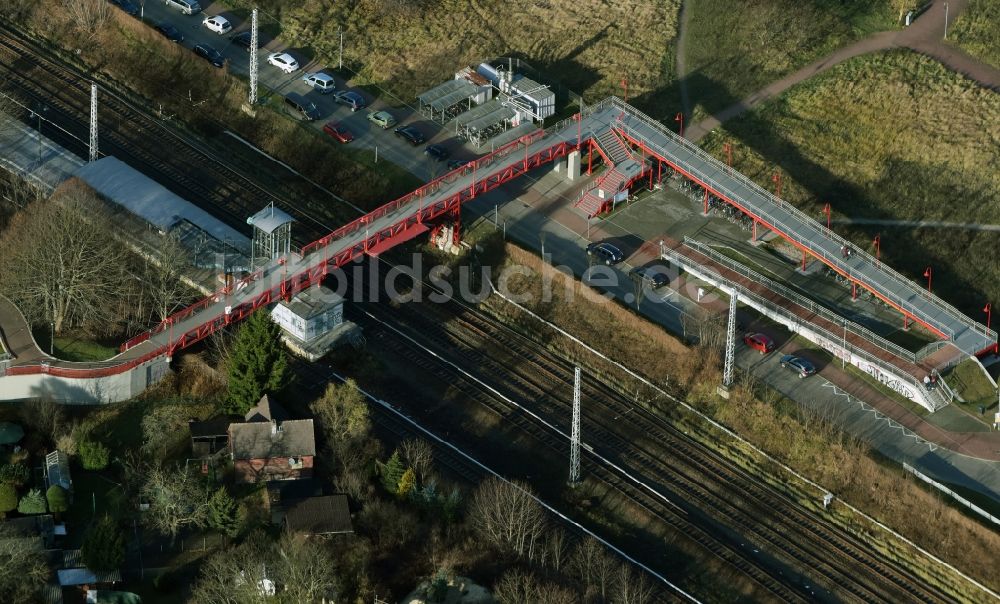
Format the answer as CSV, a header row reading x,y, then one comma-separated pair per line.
x,y
210,54
170,32
606,252
301,107
455,164
411,134
283,61
759,342
243,39
382,119
437,152
188,7
218,24
651,276
799,365
322,83
350,98
338,132
127,6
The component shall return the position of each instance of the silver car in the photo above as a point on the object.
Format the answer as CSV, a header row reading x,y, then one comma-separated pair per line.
x,y
320,82
188,7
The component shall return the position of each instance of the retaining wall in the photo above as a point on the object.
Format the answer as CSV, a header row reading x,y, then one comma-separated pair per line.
x,y
83,391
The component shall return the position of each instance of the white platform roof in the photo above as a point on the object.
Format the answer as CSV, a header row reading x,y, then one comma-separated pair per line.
x,y
147,199
269,219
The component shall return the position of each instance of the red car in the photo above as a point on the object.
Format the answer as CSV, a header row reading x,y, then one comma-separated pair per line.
x,y
759,342
338,132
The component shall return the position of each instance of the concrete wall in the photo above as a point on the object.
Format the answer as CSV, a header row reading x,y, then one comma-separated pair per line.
x,y
84,391
884,373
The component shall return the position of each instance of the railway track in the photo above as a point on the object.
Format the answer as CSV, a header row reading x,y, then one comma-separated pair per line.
x,y
61,93
639,440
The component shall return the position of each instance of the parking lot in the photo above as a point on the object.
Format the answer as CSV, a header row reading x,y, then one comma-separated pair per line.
x,y
272,81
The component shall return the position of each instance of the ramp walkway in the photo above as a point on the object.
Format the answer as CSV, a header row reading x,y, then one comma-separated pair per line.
x,y
389,225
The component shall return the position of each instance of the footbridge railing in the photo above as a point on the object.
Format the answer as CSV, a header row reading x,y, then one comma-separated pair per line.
x,y
643,137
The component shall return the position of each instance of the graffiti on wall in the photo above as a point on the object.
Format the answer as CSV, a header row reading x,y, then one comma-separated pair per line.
x,y
895,384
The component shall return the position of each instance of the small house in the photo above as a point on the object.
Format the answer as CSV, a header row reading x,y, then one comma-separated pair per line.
x,y
313,323
316,516
270,446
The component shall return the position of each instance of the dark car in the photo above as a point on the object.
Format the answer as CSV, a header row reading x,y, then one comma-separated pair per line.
x,y
455,164
350,98
170,32
606,252
243,39
799,365
437,152
651,276
759,342
210,54
411,134
127,6
338,132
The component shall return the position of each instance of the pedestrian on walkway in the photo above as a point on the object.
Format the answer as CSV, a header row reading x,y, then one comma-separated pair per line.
x,y
927,382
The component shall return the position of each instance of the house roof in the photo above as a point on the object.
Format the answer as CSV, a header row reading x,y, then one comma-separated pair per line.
x,y
84,576
266,411
291,490
217,426
313,302
325,515
263,440
106,596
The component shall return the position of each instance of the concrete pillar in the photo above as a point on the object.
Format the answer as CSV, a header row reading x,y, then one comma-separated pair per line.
x,y
557,166
573,166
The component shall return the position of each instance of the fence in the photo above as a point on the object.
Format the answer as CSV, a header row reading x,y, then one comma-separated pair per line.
x,y
962,500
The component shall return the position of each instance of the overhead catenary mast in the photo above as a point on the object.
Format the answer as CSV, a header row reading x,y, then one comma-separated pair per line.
x,y
253,57
574,441
93,122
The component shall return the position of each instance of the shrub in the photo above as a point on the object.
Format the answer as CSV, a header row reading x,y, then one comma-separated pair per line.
x,y
93,455
14,474
8,499
33,503
58,499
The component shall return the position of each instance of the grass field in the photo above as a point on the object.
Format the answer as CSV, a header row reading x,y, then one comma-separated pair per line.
x,y
73,347
977,30
734,48
969,381
891,136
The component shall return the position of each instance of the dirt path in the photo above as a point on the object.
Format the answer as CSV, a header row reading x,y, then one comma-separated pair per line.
x,y
682,27
924,36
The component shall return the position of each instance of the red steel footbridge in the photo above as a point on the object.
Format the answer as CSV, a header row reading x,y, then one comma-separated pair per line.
x,y
633,146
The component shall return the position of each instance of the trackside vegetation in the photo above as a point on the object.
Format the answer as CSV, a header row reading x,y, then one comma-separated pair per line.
x,y
977,30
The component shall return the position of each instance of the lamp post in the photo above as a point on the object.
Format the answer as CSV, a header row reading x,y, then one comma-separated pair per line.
x,y
878,249
625,87
945,20
843,357
37,113
988,309
728,147
929,274
776,179
826,210
680,118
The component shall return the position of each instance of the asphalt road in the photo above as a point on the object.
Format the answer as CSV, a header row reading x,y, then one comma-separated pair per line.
x,y
366,134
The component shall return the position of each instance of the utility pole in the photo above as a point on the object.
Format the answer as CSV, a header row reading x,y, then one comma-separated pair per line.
x,y
727,370
574,439
253,58
341,54
945,20
93,122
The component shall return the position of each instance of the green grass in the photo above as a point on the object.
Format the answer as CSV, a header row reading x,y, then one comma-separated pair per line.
x,y
892,152
977,31
969,381
73,347
734,48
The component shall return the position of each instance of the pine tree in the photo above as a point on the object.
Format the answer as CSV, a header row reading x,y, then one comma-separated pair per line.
x,y
407,482
103,546
57,498
392,472
8,499
257,364
32,503
224,514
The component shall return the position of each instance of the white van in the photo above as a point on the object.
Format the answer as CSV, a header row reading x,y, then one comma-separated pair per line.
x,y
188,7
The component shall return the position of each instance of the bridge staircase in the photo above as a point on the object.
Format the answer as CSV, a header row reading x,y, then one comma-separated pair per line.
x,y
623,170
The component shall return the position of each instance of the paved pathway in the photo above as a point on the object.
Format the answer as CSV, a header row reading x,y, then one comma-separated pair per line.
x,y
924,36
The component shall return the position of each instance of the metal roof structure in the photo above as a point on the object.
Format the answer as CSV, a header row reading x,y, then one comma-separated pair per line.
x,y
513,134
270,218
147,199
443,102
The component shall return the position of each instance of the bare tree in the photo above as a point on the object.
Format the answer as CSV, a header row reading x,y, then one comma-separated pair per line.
x,y
556,549
23,572
177,499
593,565
507,516
418,454
238,575
342,413
515,587
88,16
61,262
306,570
162,277
631,587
